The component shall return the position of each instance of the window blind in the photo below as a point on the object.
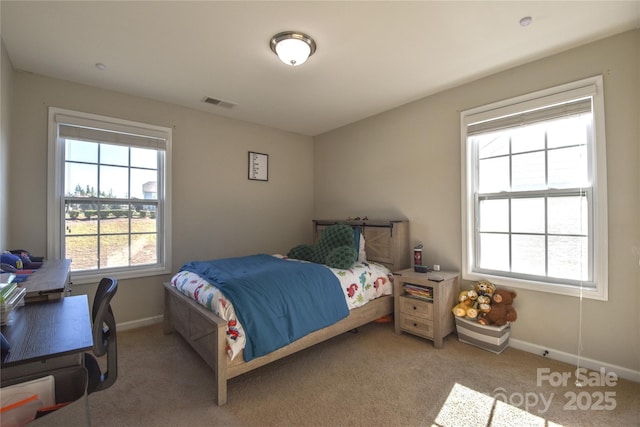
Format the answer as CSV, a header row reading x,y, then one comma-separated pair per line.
x,y
118,134
567,109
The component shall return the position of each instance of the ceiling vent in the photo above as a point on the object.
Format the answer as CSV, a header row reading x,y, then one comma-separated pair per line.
x,y
218,102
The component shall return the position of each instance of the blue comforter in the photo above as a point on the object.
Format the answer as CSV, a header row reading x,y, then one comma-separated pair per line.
x,y
277,301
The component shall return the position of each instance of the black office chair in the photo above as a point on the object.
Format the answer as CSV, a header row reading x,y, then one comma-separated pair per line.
x,y
104,338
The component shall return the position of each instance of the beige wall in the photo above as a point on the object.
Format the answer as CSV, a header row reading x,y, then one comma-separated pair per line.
x,y
217,211
406,163
6,73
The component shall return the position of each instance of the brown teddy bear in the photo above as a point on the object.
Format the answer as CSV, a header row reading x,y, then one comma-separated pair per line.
x,y
502,310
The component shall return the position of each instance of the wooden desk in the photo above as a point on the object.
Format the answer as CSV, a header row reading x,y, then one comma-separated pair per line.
x,y
46,336
49,282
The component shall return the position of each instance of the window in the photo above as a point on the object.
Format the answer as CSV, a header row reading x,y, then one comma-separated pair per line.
x,y
534,191
109,195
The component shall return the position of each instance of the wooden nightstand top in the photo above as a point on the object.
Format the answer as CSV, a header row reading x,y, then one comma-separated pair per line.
x,y
407,275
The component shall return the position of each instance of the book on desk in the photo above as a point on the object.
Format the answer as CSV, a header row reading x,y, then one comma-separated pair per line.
x,y
11,297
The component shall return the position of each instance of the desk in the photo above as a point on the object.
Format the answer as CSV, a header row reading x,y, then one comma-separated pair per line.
x,y
46,336
49,282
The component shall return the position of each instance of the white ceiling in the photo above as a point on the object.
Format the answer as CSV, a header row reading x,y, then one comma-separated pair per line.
x,y
372,55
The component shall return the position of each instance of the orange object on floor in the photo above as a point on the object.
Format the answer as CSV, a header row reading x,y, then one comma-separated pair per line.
x,y
385,319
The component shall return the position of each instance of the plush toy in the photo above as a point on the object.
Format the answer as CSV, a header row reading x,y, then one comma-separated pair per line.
x,y
484,287
472,313
468,297
464,310
466,306
484,303
28,260
502,310
10,262
460,309
335,248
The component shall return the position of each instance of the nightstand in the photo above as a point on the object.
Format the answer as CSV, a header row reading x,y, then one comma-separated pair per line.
x,y
423,303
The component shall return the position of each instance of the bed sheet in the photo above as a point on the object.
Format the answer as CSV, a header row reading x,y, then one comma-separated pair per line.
x,y
360,284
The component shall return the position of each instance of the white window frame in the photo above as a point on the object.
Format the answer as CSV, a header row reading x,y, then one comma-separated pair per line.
x,y
592,86
56,199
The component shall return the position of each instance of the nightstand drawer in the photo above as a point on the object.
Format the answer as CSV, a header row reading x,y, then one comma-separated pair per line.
x,y
417,325
417,308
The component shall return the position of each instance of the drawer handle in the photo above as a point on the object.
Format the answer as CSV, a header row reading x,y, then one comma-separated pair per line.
x,y
415,325
415,308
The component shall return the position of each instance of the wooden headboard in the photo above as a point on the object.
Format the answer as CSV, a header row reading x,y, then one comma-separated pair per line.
x,y
386,241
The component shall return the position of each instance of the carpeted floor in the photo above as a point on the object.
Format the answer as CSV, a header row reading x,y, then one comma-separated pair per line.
x,y
370,378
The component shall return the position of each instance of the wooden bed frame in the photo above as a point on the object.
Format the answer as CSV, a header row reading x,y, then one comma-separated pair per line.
x,y
387,242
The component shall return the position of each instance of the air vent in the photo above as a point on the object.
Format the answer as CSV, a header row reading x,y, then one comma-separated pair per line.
x,y
218,102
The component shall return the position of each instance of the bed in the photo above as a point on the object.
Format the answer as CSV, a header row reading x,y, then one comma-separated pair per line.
x,y
386,244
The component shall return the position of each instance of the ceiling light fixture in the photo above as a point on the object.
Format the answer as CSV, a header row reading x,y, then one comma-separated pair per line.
x,y
292,47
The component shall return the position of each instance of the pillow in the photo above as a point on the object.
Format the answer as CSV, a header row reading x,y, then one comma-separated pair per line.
x,y
333,237
304,252
336,248
342,257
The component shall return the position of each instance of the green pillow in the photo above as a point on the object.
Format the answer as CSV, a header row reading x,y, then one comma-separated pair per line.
x,y
303,252
332,237
343,257
334,248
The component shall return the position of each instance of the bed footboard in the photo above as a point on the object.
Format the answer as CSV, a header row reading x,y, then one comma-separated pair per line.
x,y
203,330
206,333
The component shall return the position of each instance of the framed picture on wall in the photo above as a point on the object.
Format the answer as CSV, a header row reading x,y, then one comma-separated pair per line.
x,y
258,166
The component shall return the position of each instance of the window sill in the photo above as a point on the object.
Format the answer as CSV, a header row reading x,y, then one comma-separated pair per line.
x,y
93,277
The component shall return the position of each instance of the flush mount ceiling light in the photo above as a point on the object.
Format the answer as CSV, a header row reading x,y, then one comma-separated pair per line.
x,y
293,48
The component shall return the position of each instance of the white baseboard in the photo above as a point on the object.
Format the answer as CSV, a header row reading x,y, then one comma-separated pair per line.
x,y
572,359
139,323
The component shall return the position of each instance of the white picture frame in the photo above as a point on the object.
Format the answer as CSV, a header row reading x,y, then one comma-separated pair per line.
x,y
258,166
